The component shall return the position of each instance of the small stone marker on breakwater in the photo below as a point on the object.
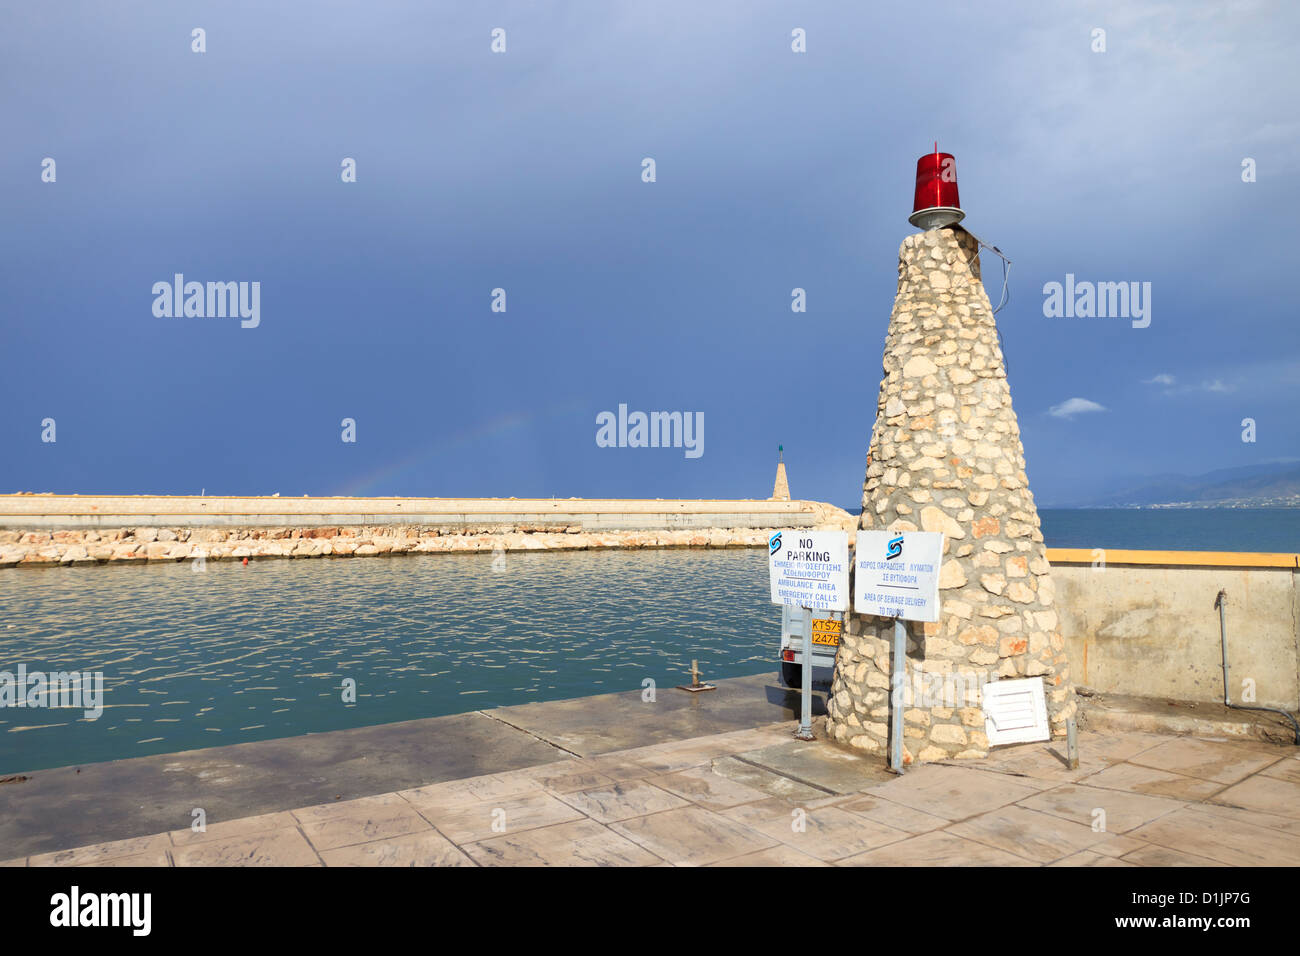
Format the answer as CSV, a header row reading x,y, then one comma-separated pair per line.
x,y
781,487
946,456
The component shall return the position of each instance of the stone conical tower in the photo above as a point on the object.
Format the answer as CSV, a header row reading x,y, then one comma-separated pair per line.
x,y
946,456
780,490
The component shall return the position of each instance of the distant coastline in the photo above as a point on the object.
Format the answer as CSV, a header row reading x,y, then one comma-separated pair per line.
x,y
1201,528
1175,529
1267,485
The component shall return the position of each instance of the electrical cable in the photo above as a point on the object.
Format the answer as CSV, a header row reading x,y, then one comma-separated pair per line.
x,y
1004,298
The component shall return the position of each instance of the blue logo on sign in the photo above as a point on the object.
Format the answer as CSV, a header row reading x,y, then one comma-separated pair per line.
x,y
895,549
774,544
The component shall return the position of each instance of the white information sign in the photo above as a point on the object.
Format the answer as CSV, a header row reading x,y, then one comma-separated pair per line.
x,y
896,574
810,569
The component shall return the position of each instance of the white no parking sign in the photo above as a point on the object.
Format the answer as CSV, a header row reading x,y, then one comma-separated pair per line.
x,y
809,569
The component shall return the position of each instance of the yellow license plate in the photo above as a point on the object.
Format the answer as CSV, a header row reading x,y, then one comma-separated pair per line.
x,y
826,632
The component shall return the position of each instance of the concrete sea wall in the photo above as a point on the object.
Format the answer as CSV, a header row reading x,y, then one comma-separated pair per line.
x,y
1145,623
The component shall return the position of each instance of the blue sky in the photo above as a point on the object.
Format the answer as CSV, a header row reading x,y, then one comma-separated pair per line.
x,y
522,170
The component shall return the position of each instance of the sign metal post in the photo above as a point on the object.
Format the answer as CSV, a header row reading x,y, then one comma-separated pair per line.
x,y
896,688
897,577
805,724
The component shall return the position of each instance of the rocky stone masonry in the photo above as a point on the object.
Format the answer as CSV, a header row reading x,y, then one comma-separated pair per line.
x,y
946,456
27,548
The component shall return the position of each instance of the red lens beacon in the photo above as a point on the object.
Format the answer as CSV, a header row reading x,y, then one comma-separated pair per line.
x,y
936,204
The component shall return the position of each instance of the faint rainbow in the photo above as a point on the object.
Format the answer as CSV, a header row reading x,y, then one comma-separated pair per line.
x,y
503,424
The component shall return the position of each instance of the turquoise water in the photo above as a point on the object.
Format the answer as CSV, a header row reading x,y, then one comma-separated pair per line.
x,y
235,653
1169,529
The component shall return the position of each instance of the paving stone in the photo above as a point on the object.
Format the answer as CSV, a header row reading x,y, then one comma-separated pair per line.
x,y
706,788
1219,838
1220,762
938,848
581,843
1041,761
1287,769
333,825
817,764
769,782
896,815
1252,817
619,801
692,836
285,847
234,829
455,792
828,833
426,848
780,855
1116,746
1089,858
1047,760
1157,783
155,859
471,822
739,741
1036,836
99,853
674,757
568,779
955,793
1151,855
1264,794
1124,811
1116,844
620,768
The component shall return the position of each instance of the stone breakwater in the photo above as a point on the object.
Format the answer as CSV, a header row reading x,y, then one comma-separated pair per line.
x,y
157,545
80,530
946,456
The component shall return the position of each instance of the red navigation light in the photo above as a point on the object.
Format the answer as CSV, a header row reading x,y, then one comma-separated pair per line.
x,y
935,204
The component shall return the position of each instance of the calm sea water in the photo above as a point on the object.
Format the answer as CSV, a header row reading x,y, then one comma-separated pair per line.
x,y
236,653
1169,529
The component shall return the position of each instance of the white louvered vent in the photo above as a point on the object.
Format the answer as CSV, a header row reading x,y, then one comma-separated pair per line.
x,y
1015,711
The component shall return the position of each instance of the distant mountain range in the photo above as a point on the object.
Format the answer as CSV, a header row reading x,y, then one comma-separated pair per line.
x,y
1271,485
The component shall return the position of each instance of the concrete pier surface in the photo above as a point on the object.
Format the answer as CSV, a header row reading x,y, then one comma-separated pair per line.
x,y
115,800
709,779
